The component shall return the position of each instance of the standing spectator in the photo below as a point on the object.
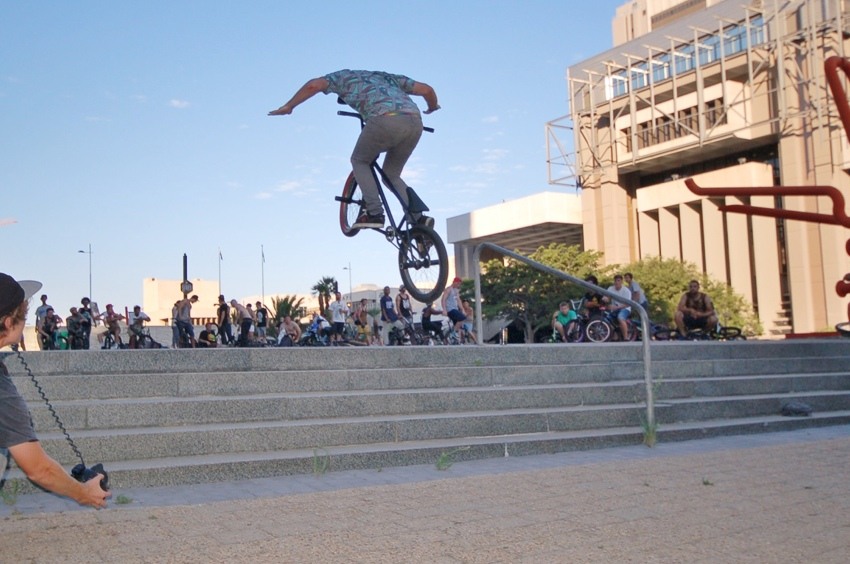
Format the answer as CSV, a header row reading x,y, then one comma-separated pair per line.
x,y
638,295
47,329
184,318
40,314
262,316
245,321
88,321
388,315
16,430
467,325
361,320
74,323
224,327
175,331
339,311
621,310
453,306
136,325
253,322
402,304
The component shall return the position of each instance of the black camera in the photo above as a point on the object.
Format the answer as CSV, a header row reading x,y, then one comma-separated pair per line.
x,y
83,474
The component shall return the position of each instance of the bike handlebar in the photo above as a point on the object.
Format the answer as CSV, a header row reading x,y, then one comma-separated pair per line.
x,y
358,116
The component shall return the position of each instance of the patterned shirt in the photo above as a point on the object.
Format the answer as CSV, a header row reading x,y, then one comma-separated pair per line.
x,y
373,93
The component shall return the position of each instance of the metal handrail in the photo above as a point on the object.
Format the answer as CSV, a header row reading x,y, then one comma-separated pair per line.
x,y
644,317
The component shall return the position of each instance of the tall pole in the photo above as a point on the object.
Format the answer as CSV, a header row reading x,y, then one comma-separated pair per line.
x,y
263,275
89,254
350,291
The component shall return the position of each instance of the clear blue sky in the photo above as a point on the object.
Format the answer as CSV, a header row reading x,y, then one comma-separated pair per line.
x,y
140,128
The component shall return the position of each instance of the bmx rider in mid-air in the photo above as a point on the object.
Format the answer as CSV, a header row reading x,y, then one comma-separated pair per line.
x,y
393,126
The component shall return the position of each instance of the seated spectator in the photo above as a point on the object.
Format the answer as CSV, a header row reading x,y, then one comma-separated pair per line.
x,y
47,330
288,332
429,326
619,309
695,310
112,322
136,325
593,300
207,339
76,335
563,320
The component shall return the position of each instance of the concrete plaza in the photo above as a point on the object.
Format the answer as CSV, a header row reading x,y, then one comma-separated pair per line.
x,y
776,497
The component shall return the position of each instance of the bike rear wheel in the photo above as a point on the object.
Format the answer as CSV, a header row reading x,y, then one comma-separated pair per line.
x,y
598,331
349,206
423,263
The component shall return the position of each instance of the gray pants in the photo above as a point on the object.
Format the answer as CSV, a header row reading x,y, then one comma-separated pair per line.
x,y
397,136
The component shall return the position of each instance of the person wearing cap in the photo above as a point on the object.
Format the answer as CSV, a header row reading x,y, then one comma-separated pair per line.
x,y
402,304
16,430
453,306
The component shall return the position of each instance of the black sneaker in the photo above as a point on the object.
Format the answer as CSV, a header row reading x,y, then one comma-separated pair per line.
x,y
426,221
366,219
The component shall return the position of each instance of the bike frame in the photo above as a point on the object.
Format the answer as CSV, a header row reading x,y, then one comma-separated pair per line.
x,y
381,179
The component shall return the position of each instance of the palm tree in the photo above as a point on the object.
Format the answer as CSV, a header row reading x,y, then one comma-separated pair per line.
x,y
323,289
287,305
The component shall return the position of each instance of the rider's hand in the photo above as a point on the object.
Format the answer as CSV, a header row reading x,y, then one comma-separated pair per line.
x,y
284,110
432,110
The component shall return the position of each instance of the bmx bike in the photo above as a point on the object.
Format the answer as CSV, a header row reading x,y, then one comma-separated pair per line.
x,y
422,259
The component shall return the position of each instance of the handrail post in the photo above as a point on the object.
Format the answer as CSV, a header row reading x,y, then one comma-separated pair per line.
x,y
644,317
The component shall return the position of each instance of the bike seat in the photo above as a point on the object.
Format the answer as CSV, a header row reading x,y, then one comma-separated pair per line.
x,y
415,203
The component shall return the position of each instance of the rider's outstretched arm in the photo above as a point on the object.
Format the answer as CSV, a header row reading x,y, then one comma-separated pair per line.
x,y
430,95
310,89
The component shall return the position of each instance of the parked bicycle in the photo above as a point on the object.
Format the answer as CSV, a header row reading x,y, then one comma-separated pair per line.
x,y
422,258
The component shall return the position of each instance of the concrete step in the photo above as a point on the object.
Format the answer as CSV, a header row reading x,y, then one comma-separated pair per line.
x,y
177,417
178,470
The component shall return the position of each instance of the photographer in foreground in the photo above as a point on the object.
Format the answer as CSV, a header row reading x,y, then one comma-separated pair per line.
x,y
16,430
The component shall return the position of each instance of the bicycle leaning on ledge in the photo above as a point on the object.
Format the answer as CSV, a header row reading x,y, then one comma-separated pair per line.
x,y
422,259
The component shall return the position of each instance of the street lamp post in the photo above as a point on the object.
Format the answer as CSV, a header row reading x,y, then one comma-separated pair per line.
x,y
89,254
350,293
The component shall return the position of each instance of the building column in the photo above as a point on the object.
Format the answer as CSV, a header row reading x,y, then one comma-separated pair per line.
x,y
669,232
649,243
690,224
766,262
738,234
715,240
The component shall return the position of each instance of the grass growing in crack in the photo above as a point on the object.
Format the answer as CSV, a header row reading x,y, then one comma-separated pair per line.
x,y
321,462
446,459
707,482
123,500
650,432
10,492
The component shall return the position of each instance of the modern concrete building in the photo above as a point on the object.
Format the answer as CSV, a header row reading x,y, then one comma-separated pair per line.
x,y
732,94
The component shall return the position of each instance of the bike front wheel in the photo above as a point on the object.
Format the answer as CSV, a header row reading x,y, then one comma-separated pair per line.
x,y
423,263
350,204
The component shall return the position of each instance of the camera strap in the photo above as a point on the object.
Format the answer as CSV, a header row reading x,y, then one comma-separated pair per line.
x,y
49,407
